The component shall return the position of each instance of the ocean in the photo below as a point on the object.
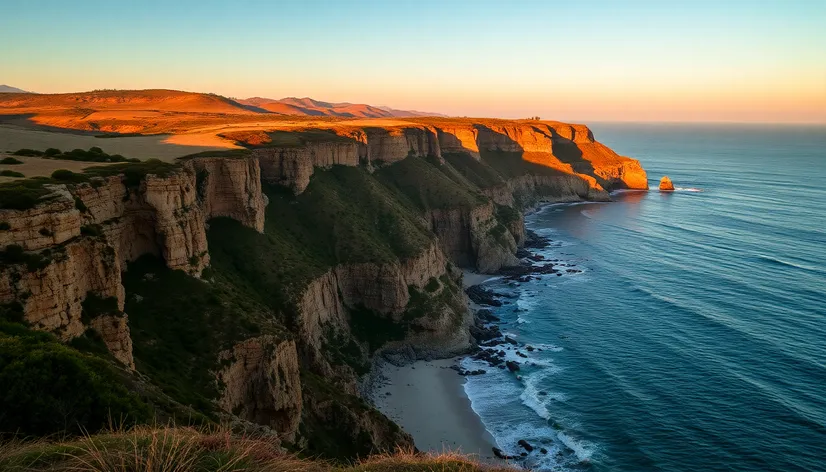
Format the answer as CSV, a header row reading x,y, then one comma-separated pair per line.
x,y
690,334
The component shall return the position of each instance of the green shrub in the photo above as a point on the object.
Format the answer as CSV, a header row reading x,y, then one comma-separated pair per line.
x,y
49,387
10,161
179,324
80,205
432,285
23,194
16,255
51,152
91,230
4,226
94,306
28,153
63,175
11,173
134,172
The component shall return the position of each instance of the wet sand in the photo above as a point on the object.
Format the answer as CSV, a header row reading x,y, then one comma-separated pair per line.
x,y
428,400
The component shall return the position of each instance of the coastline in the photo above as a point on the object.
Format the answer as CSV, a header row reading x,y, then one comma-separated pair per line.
x,y
428,400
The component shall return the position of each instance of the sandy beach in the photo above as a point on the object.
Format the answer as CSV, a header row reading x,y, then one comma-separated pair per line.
x,y
428,400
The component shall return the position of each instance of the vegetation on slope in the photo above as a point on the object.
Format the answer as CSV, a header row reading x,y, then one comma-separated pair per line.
x,y
179,325
94,154
191,450
475,171
513,164
50,387
25,194
344,216
427,185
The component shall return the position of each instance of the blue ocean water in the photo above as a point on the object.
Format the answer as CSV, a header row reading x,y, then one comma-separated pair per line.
x,y
695,336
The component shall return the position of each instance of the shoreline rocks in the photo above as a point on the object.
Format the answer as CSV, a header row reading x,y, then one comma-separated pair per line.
x,y
666,185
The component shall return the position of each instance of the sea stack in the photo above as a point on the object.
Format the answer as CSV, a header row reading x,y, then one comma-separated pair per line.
x,y
666,185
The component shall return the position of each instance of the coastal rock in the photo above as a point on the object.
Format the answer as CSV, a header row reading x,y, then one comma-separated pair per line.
x,y
666,185
526,445
512,366
501,455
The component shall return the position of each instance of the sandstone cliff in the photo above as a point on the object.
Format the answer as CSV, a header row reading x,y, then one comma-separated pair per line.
x,y
262,384
78,241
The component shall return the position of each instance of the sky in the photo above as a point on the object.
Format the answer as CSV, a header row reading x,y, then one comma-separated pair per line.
x,y
597,60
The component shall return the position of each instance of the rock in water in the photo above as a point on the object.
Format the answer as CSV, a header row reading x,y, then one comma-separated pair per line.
x,y
666,185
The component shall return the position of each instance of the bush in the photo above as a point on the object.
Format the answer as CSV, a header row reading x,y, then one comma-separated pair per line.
x,y
94,306
11,173
5,226
16,255
63,175
80,205
23,194
28,153
91,230
51,152
9,161
49,387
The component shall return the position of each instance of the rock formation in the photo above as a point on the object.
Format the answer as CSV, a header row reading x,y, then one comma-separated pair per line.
x,y
262,384
84,235
666,185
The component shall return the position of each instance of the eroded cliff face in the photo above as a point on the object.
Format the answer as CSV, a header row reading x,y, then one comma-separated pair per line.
x,y
475,238
385,289
568,148
262,384
293,166
231,188
78,241
388,145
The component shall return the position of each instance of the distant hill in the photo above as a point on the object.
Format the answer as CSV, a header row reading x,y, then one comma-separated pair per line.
x,y
165,100
10,89
310,107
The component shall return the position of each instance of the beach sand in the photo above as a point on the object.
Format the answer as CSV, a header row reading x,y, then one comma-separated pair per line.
x,y
428,400
470,279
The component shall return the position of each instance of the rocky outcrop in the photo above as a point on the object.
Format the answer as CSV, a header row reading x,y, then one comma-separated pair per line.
x,y
43,226
293,166
231,188
384,287
52,296
392,144
80,238
475,238
666,185
261,383
114,330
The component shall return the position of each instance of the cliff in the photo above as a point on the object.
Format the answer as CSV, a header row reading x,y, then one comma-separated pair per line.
x,y
79,240
262,284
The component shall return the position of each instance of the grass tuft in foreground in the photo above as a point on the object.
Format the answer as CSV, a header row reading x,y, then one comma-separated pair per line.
x,y
171,449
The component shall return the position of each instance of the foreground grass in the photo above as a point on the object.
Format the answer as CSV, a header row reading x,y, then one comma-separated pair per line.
x,y
171,449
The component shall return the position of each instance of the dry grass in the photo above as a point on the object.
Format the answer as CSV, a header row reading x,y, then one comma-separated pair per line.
x,y
175,449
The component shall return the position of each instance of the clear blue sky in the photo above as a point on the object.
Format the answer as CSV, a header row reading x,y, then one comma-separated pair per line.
x,y
576,60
